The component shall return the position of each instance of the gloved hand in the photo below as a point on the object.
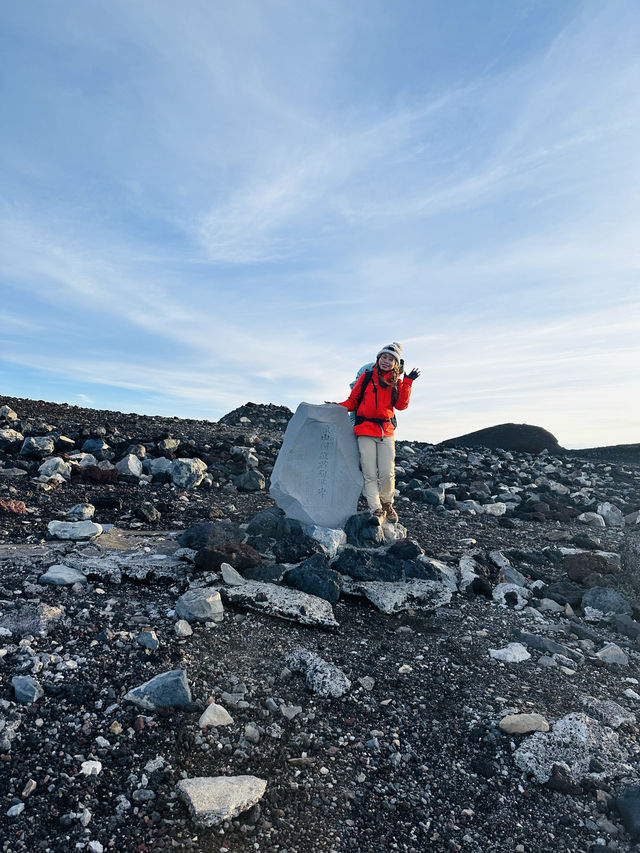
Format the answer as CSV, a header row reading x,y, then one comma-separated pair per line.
x,y
414,373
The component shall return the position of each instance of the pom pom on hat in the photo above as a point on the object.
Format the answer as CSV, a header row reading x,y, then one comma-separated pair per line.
x,y
394,350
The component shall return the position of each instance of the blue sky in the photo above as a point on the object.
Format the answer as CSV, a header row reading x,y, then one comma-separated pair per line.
x,y
204,203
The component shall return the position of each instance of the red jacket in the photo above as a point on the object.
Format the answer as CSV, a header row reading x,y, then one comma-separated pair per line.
x,y
376,403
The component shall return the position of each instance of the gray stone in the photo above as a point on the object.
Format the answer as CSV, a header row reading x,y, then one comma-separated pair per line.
x,y
628,807
321,677
434,496
200,605
606,600
37,445
364,530
74,530
167,690
316,477
609,712
97,448
182,628
30,619
575,740
130,466
81,512
158,466
613,654
61,575
55,465
113,565
231,576
26,689
213,800
215,715
396,597
331,539
523,724
187,473
511,595
7,413
148,639
593,519
511,653
10,438
282,602
613,517
168,445
249,481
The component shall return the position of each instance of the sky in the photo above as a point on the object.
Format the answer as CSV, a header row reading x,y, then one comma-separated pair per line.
x,y
207,203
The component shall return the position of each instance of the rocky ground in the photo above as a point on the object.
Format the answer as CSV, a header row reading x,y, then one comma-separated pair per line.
x,y
471,687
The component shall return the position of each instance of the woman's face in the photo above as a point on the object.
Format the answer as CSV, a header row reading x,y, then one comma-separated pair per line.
x,y
386,362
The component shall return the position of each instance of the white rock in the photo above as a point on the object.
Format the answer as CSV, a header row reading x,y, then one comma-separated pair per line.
x,y
81,512
215,715
613,517
187,473
231,576
283,602
523,724
182,628
61,575
574,741
511,653
212,800
8,414
331,539
498,508
91,768
502,590
200,605
130,466
593,519
75,530
55,465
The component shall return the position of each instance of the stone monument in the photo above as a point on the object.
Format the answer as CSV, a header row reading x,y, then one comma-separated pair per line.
x,y
317,477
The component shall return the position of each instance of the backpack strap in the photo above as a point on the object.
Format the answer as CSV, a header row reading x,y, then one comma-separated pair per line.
x,y
368,376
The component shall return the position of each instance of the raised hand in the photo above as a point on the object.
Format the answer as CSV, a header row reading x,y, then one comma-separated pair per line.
x,y
414,373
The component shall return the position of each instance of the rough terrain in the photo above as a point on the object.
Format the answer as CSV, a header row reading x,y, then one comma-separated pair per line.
x,y
414,738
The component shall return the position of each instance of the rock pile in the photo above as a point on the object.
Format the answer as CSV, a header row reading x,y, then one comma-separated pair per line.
x,y
464,680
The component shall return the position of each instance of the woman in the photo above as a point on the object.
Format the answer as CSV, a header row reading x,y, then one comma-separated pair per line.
x,y
373,398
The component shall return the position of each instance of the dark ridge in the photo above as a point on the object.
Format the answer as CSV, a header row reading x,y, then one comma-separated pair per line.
x,y
619,453
522,438
258,415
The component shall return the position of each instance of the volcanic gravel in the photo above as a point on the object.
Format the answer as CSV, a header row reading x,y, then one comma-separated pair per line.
x,y
410,759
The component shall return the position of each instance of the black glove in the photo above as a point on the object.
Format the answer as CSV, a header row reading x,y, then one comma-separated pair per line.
x,y
414,374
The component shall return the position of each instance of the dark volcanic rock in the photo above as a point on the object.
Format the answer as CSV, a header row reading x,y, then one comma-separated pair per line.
x,y
523,438
316,578
208,534
238,555
579,566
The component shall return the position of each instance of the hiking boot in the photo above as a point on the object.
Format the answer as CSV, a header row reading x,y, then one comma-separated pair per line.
x,y
379,513
390,512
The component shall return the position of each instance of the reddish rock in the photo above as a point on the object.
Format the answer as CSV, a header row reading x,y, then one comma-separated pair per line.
x,y
237,555
93,474
8,506
579,566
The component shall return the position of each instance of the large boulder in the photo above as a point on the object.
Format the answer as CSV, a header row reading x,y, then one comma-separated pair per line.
x,y
317,478
187,473
316,578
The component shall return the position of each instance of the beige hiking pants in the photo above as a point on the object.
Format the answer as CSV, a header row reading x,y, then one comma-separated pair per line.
x,y
377,461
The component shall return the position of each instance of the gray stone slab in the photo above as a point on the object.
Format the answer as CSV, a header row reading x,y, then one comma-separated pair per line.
x,y
167,690
282,602
317,477
200,605
61,575
403,595
212,800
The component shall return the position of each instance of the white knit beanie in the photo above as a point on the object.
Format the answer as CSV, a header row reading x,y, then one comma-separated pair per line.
x,y
394,349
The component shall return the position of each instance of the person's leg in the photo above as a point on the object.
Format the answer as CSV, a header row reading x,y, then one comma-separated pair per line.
x,y
386,468
369,466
